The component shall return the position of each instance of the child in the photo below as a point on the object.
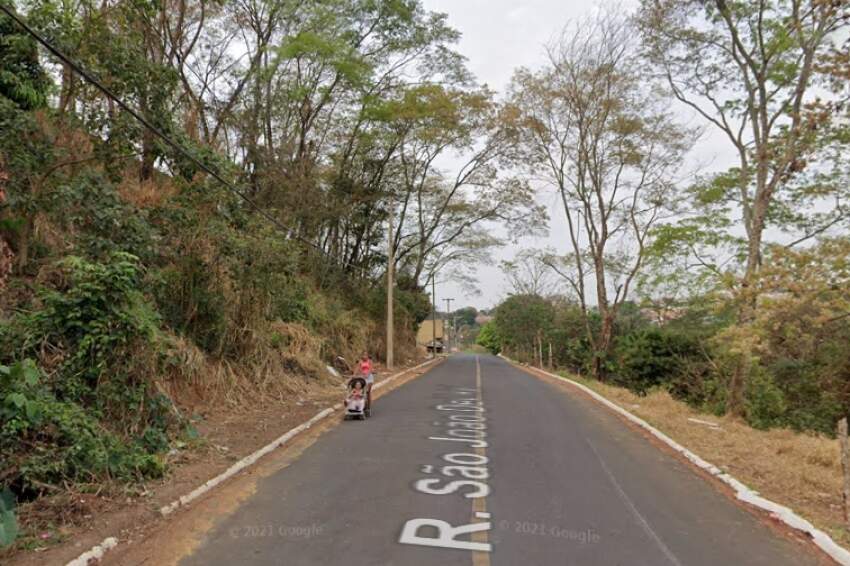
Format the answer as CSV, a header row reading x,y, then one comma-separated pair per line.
x,y
355,400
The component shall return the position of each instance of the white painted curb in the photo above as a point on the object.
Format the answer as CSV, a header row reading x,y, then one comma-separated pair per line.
x,y
742,492
97,552
392,377
242,464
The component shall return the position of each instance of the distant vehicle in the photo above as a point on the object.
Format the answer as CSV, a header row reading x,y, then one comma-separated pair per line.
x,y
430,346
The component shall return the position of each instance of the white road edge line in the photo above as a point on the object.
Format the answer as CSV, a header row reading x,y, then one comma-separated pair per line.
x,y
97,551
742,492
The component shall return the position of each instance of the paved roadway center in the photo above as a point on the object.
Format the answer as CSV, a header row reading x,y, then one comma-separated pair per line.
x,y
540,476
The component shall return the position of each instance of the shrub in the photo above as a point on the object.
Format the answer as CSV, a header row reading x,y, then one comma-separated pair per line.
x,y
812,402
191,301
50,441
488,337
764,402
88,412
650,357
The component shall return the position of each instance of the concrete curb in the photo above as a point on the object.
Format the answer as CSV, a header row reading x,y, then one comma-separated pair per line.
x,y
242,464
394,376
97,551
742,492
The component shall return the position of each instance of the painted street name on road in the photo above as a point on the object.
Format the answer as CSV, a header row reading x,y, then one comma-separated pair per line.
x,y
465,474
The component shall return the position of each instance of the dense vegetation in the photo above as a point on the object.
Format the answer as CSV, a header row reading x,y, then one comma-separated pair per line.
x,y
731,290
130,275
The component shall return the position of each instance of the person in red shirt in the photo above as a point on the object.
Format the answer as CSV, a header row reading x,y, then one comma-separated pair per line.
x,y
367,371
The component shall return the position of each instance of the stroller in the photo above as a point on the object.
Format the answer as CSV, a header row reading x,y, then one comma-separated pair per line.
x,y
356,408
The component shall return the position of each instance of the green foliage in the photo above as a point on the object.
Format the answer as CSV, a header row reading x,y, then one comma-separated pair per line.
x,y
521,320
74,446
811,400
764,402
8,522
92,415
488,337
465,316
22,80
191,300
106,224
95,316
650,357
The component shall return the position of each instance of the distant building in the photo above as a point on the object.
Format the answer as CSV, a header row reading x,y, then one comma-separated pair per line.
x,y
426,332
661,315
482,319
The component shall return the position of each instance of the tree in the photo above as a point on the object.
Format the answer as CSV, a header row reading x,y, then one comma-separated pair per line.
x,y
747,68
522,321
465,316
600,134
440,216
22,79
797,342
528,274
488,338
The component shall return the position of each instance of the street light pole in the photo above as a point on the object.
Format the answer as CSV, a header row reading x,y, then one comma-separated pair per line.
x,y
390,269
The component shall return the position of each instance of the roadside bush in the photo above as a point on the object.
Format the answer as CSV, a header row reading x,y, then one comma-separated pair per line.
x,y
764,402
811,395
488,337
191,301
651,357
88,205
90,411
47,441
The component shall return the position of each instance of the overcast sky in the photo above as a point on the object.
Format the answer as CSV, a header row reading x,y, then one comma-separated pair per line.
x,y
498,37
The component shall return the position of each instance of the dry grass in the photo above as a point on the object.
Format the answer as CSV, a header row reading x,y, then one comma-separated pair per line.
x,y
282,360
146,194
800,471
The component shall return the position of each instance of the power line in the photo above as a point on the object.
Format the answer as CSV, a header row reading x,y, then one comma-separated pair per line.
x,y
159,133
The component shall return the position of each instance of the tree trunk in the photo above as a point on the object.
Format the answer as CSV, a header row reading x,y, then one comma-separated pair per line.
x,y
66,90
746,314
603,345
538,351
845,466
23,247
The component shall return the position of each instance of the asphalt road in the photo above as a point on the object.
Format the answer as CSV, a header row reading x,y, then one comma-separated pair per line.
x,y
543,477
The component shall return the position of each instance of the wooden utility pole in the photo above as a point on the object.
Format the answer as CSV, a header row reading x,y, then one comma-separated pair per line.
x,y
845,466
390,269
434,315
445,330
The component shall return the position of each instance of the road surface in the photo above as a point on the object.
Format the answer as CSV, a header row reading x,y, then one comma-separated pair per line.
x,y
543,476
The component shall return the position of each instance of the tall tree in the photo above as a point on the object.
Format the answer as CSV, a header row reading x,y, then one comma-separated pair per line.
x,y
441,213
747,68
597,131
